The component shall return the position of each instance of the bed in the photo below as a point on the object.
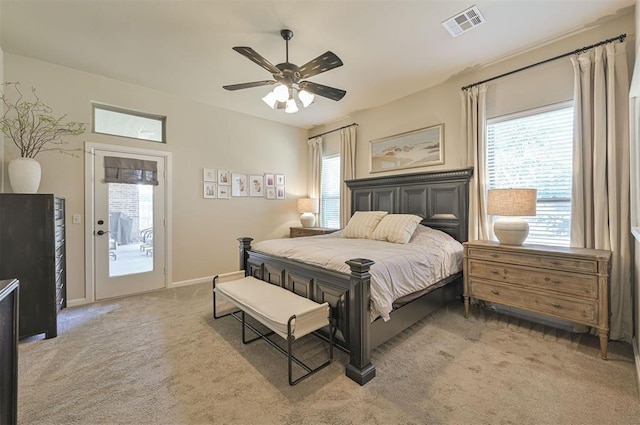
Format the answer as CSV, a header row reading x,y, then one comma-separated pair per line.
x,y
440,198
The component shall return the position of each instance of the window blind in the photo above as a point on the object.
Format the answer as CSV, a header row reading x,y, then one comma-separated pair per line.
x,y
534,150
330,192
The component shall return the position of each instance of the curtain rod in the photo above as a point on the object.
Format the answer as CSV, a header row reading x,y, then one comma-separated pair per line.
x,y
332,131
620,38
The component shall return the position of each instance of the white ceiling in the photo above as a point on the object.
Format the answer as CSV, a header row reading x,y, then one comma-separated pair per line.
x,y
390,49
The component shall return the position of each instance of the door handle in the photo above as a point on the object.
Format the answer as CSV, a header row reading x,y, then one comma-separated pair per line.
x,y
102,232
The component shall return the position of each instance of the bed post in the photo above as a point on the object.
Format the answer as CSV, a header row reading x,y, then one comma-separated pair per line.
x,y
360,368
245,246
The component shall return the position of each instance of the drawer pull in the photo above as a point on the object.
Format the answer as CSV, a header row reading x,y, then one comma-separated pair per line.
x,y
494,292
556,281
494,255
556,305
494,271
556,263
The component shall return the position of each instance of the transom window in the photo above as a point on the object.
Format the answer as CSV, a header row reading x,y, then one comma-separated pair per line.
x,y
126,123
534,149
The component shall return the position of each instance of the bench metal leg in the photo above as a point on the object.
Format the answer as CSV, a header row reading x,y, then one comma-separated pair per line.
x,y
290,356
215,312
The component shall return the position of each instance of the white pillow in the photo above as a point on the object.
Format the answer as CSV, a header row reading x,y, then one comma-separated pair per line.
x,y
396,228
362,224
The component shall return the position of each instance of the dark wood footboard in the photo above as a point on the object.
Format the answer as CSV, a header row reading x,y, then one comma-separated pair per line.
x,y
347,294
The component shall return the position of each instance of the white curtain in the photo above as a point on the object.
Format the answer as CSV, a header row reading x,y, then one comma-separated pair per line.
x,y
347,170
474,123
315,170
600,193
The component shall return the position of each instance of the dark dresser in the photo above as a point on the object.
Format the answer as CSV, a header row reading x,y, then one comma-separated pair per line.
x,y
9,351
32,250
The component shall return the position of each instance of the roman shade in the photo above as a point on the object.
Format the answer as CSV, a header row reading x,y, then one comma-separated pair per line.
x,y
130,171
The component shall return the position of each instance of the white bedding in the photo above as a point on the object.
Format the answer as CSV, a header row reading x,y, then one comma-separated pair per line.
x,y
399,269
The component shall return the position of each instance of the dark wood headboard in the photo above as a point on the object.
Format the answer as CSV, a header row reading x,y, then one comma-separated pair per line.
x,y
441,198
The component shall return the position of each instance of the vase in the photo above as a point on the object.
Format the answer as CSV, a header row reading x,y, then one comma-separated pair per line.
x,y
24,175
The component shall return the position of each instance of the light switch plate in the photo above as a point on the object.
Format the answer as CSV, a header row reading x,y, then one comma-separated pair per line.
x,y
76,219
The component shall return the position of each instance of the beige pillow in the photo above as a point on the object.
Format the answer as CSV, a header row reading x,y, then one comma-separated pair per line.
x,y
362,224
396,228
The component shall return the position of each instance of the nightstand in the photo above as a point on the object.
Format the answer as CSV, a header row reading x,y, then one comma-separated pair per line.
x,y
296,232
567,283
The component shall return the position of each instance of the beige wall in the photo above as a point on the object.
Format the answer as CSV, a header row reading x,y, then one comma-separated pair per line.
x,y
546,84
204,230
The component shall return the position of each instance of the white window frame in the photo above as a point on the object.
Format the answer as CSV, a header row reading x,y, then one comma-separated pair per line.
x,y
549,240
323,222
110,108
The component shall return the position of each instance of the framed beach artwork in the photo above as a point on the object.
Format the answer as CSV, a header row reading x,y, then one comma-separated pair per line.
x,y
224,178
209,175
416,148
224,192
210,190
238,184
256,185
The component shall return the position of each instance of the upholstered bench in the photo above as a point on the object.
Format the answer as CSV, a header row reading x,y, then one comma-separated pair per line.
x,y
285,313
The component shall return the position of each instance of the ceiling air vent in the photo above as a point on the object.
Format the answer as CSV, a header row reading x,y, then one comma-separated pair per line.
x,y
464,21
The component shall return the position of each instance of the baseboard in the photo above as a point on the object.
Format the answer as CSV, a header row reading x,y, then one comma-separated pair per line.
x,y
191,282
636,354
77,302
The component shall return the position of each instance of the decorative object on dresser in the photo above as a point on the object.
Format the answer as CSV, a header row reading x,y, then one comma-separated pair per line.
x,y
32,247
33,129
308,207
296,232
9,290
566,283
512,205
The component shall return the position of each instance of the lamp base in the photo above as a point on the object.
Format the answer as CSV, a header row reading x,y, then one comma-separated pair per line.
x,y
511,231
307,220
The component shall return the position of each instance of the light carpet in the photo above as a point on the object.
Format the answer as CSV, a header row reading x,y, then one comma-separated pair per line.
x,y
160,358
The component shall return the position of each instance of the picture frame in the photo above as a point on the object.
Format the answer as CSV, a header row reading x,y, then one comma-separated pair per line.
x,y
238,184
418,148
270,192
256,185
224,192
224,178
280,180
280,192
269,180
209,175
209,190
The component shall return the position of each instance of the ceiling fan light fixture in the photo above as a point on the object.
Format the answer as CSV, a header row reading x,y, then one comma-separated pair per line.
x,y
291,107
305,97
281,93
270,100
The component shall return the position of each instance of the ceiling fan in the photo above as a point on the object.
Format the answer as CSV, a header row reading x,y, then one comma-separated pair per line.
x,y
289,89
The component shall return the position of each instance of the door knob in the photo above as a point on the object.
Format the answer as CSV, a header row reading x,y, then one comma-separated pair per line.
x,y
101,232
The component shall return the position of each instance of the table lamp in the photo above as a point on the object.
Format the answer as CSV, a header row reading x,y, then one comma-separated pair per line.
x,y
308,207
511,205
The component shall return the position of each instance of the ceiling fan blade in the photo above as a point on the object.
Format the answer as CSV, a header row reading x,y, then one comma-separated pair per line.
x,y
248,85
321,90
254,56
322,63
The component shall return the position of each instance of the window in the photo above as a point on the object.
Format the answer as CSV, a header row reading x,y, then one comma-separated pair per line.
x,y
330,192
122,122
533,149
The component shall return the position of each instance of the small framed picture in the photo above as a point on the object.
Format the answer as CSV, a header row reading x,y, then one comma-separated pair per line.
x,y
256,185
209,175
224,192
280,180
210,190
269,180
280,192
239,184
271,192
224,178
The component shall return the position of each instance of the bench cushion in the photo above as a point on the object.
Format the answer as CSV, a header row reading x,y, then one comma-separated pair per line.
x,y
272,306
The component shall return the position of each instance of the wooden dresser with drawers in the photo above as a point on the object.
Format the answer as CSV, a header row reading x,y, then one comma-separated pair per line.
x,y
567,283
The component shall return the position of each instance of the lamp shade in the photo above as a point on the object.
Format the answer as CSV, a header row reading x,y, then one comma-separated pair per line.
x,y
308,205
512,202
